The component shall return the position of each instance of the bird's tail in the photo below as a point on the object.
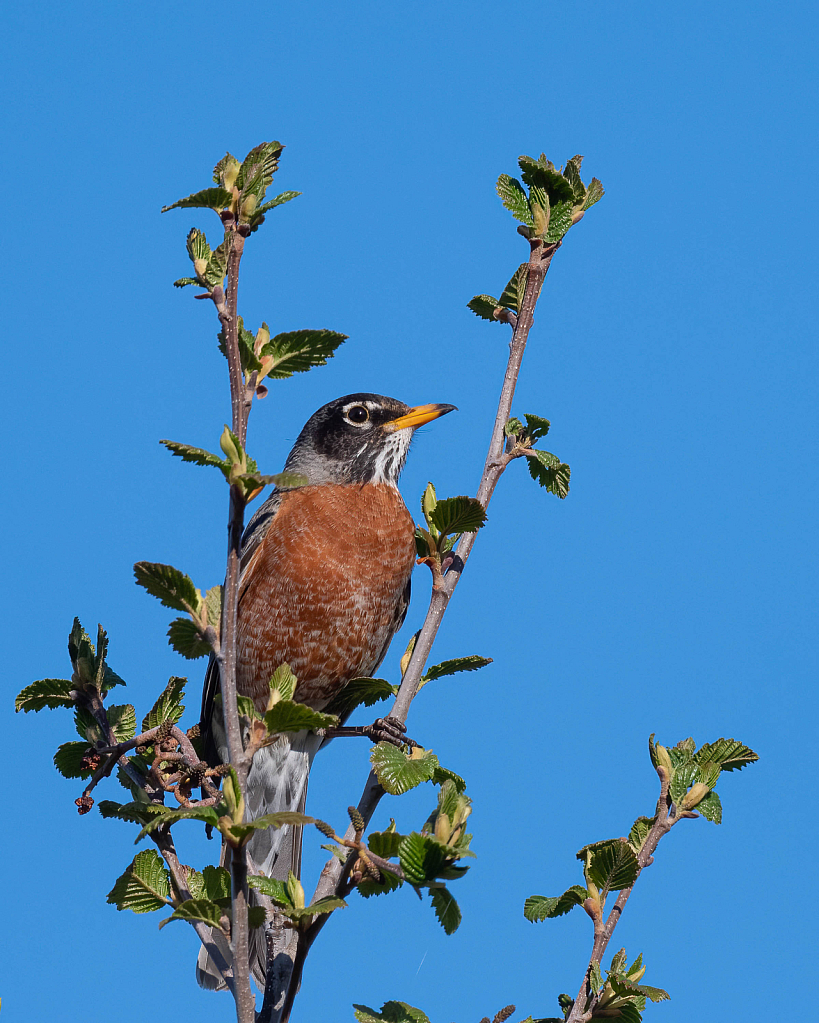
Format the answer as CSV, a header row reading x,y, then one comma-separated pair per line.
x,y
277,781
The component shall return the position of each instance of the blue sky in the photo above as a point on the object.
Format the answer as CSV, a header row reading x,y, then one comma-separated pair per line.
x,y
674,591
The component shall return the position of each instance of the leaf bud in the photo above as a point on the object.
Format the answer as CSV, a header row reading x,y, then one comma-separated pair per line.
x,y
249,205
262,337
232,449
663,757
695,795
295,890
443,828
200,266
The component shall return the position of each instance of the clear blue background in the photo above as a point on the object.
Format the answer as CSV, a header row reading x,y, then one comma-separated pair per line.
x,y
674,351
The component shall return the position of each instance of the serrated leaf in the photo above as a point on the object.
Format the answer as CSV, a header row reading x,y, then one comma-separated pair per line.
x,y
186,639
683,752
87,726
247,708
710,807
451,667
209,198
622,986
216,883
172,587
421,858
68,760
321,906
595,977
384,843
183,282
389,883
256,917
484,306
458,515
391,1012
536,426
46,692
122,719
594,193
283,681
258,168
514,199
681,780
730,754
639,832
300,350
134,813
281,198
446,909
613,864
396,772
513,428
361,692
571,172
144,887
241,832
168,707
198,456
441,775
540,907
512,297
543,173
226,171
196,911
560,220
206,814
287,716
271,887
552,477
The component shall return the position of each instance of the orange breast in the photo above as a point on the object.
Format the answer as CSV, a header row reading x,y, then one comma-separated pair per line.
x,y
322,589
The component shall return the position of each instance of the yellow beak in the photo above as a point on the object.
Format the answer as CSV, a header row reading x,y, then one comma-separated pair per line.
x,y
418,416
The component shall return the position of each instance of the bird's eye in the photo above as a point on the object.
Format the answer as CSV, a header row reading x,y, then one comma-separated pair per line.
x,y
358,414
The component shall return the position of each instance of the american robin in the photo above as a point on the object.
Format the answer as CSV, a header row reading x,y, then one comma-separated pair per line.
x,y
324,586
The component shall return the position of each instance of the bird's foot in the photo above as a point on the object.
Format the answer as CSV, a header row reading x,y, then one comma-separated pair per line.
x,y
386,729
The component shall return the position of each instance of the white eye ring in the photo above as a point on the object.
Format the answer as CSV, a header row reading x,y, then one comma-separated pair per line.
x,y
353,415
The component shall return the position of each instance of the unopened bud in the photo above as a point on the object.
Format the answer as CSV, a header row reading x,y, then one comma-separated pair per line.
x,y
200,266
663,757
695,795
443,829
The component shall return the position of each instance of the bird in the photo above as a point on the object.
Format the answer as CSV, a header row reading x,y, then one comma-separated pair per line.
x,y
324,586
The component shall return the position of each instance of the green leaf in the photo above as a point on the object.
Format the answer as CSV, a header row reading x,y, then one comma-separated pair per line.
x,y
560,221
226,171
389,883
512,297
247,708
196,455
46,692
681,780
622,986
513,428
134,813
441,775
145,886
326,905
553,477
730,754
396,772
639,832
451,667
186,639
594,193
514,199
207,814
300,350
258,168
241,832
283,681
384,843
169,706
361,692
172,587
122,719
536,426
281,198
183,282
710,807
213,883
208,198
287,716
198,910
543,172
391,1012
421,858
68,760
484,306
446,909
271,887
683,752
540,907
458,515
613,864
571,172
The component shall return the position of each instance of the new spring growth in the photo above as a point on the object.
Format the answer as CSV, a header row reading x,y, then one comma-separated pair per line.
x,y
695,795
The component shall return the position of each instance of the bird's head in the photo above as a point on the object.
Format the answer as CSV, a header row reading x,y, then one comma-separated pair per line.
x,y
360,438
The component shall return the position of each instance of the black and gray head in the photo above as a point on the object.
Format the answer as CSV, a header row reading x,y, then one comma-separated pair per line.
x,y
360,438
